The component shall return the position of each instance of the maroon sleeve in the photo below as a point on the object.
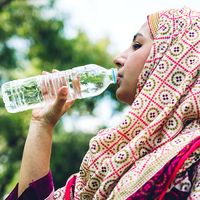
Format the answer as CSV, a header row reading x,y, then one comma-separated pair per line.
x,y
37,190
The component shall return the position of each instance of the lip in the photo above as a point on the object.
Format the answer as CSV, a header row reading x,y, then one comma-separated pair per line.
x,y
119,80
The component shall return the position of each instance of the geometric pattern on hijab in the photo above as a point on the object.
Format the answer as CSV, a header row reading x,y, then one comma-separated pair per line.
x,y
162,120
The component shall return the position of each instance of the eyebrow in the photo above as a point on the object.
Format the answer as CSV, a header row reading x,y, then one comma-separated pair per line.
x,y
136,35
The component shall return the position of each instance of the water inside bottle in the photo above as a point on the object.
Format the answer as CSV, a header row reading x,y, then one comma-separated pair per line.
x,y
20,95
90,82
29,93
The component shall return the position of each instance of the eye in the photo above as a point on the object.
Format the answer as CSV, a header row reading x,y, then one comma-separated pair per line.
x,y
136,46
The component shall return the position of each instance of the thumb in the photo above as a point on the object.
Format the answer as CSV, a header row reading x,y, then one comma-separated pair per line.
x,y
61,97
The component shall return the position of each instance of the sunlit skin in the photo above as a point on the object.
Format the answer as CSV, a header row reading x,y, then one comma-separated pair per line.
x,y
130,64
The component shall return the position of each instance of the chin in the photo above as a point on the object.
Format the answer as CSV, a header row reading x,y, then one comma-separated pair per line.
x,y
123,97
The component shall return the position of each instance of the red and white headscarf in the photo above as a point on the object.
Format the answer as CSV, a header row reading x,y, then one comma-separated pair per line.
x,y
162,120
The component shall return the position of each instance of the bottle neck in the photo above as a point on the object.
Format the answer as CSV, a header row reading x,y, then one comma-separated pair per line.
x,y
113,75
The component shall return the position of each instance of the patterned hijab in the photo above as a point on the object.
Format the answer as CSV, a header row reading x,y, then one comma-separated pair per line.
x,y
162,120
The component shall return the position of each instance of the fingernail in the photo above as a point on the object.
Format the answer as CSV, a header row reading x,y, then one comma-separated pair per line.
x,y
64,91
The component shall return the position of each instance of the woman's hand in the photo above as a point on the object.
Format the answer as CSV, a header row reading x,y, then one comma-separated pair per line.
x,y
54,109
37,150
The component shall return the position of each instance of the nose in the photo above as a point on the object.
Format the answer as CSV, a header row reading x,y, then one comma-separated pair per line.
x,y
120,60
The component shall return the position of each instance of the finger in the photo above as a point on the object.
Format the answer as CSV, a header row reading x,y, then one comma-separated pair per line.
x,y
54,70
45,72
53,84
61,81
62,92
44,88
61,98
68,104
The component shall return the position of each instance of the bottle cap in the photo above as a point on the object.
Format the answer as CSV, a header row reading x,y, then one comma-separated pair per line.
x,y
114,75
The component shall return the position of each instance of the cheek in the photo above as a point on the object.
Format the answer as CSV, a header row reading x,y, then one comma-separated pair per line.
x,y
142,56
136,62
133,67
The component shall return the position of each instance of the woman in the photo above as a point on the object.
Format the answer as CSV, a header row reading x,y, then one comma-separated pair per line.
x,y
154,152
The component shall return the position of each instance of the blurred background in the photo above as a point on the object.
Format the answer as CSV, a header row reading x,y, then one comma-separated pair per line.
x,y
37,35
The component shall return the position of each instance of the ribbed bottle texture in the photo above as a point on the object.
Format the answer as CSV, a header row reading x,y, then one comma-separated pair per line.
x,y
84,81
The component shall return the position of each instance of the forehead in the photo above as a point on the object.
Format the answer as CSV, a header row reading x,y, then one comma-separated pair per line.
x,y
145,30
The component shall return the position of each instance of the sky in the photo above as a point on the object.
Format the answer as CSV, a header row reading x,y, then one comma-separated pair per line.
x,y
117,19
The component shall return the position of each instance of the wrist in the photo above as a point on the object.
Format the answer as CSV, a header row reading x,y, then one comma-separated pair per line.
x,y
42,124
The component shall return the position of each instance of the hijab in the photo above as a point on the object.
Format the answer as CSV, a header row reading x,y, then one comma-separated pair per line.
x,y
162,120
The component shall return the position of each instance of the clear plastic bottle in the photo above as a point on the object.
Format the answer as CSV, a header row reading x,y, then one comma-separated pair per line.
x,y
84,81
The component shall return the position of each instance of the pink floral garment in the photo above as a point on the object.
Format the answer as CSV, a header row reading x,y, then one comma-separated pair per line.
x,y
164,186
120,160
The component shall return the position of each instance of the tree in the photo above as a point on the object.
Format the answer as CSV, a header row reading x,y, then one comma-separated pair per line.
x,y
44,47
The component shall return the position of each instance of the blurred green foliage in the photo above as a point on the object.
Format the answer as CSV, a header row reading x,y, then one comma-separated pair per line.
x,y
68,151
43,46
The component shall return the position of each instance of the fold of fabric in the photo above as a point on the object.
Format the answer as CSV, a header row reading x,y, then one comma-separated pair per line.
x,y
162,120
69,188
40,189
185,155
157,186
153,20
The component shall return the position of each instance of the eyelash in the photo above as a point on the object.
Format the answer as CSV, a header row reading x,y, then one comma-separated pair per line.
x,y
136,46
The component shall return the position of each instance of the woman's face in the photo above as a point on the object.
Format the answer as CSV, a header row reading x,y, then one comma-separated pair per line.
x,y
130,64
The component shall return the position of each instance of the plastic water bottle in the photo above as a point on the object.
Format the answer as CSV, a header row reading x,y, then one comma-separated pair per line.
x,y
84,81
